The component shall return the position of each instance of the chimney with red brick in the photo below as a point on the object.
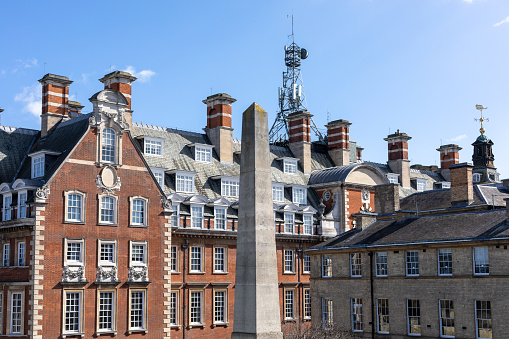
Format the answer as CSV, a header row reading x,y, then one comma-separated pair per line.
x,y
55,98
121,81
462,189
74,108
338,141
398,156
299,135
449,155
359,153
219,124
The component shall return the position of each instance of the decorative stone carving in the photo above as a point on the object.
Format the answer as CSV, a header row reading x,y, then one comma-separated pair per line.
x,y
366,208
106,273
108,181
166,203
138,273
365,195
73,274
42,192
321,208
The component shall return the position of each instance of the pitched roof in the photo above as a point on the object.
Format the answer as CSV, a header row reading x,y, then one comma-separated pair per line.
x,y
14,144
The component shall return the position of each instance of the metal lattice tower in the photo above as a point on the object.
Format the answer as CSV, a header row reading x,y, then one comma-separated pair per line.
x,y
291,95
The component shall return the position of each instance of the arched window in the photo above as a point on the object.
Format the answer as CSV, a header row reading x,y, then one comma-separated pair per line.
x,y
108,210
108,145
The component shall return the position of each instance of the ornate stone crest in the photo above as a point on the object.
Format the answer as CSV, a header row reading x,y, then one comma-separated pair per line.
x,y
365,195
108,181
166,203
106,273
138,273
42,192
73,274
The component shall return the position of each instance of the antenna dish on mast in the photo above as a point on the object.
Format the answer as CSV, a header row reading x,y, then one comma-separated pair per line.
x,y
303,53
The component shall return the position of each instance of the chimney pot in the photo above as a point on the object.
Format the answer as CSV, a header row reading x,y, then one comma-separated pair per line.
x,y
55,98
449,155
299,135
219,124
338,141
397,144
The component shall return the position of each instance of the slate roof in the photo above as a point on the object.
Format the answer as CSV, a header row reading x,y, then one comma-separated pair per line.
x,y
454,227
14,143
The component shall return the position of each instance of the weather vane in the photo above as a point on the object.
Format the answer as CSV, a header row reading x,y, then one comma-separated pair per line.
x,y
480,108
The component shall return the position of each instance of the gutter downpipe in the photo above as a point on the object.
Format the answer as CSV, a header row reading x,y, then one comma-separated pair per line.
x,y
184,246
372,295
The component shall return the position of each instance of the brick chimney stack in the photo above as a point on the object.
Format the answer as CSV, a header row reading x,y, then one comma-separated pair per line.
x,y
74,108
398,156
338,141
359,153
462,189
386,198
121,81
449,155
55,98
299,135
219,124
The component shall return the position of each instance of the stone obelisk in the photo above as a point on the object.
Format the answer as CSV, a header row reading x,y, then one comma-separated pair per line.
x,y
256,312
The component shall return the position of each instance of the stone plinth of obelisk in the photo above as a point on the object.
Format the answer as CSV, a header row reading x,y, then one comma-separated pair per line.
x,y
256,311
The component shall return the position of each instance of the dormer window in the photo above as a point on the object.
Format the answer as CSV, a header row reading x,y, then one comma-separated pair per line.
x,y
38,166
290,166
108,145
230,187
420,184
392,177
299,195
159,175
203,154
278,192
153,147
476,177
184,181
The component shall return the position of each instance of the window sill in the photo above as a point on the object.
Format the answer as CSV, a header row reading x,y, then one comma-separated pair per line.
x,y
66,335
196,325
106,224
220,273
137,331
139,226
198,273
175,272
106,332
176,326
290,320
74,222
220,324
288,273
306,273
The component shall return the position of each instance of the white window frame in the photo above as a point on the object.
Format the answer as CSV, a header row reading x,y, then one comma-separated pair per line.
x,y
22,206
158,175
81,208
7,208
413,311
197,308
220,307
299,195
307,219
106,148
21,254
38,163
444,321
327,313
184,182
393,178
16,319
197,219
444,256
306,264
289,303
476,177
101,309
356,265
114,253
290,166
174,259
143,313
220,219
6,249
289,223
199,264
289,261
278,192
420,184
174,308
114,222
326,265
381,265
483,307
153,147
382,316
134,214
175,217
412,263
220,262
203,153
357,323
78,309
307,303
69,262
481,260
230,187
138,263
446,184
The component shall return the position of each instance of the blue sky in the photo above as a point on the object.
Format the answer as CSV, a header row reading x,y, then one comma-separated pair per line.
x,y
419,66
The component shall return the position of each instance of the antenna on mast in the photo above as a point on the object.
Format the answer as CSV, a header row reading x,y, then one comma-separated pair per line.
x,y
291,95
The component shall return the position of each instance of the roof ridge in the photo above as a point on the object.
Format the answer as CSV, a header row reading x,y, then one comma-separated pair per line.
x,y
21,130
166,129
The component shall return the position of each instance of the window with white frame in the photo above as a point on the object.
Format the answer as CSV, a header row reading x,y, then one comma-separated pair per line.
x,y
421,185
21,253
219,259
72,315
7,207
299,195
483,325
278,193
446,318
289,263
138,254
481,261
203,154
107,253
195,308
381,264
196,216
74,252
289,222
138,306
138,212
153,147
444,261
326,266
173,308
108,143
6,254
174,259
220,218
159,175
327,315
74,207
412,263
38,166
446,184
357,325
307,264
289,303
476,177
355,265
196,259
185,183
175,217
413,317
308,223
382,314
220,306
16,313
106,310
307,303
290,166
22,205
393,178
108,214
230,188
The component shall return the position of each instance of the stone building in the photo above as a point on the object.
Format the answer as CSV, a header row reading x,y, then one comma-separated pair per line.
x,y
431,264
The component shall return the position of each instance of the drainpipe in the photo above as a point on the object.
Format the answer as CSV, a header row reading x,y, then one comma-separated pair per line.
x,y
184,246
299,286
372,295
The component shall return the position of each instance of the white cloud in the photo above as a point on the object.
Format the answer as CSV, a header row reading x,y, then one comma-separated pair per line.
x,y
468,1
31,98
27,63
506,20
143,76
458,138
